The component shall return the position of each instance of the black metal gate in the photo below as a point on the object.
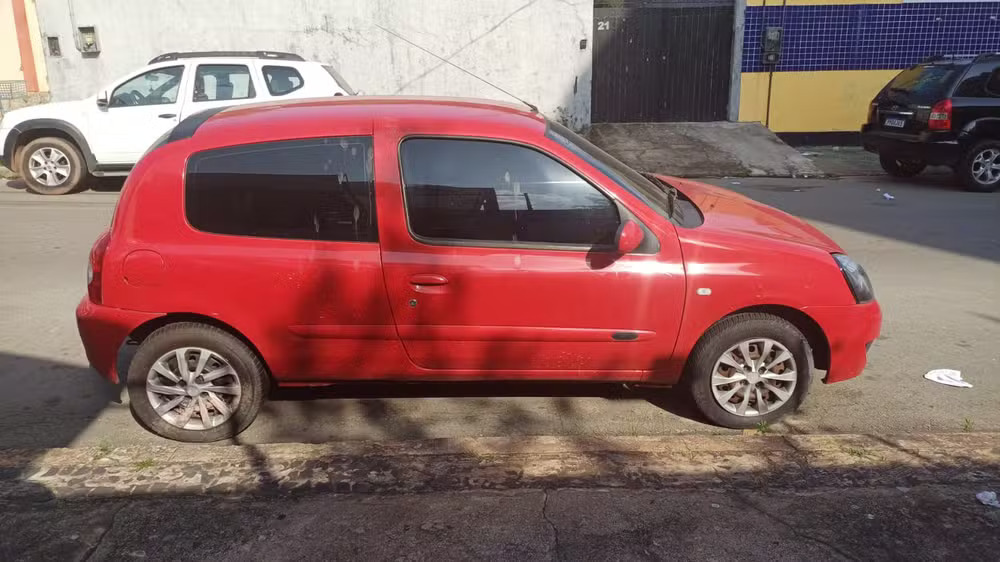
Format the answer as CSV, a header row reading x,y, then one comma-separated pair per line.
x,y
661,60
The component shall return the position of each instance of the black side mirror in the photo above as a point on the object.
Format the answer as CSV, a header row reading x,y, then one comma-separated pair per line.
x,y
102,100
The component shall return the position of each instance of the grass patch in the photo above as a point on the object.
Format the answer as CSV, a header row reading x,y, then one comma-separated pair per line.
x,y
144,464
967,425
103,449
763,428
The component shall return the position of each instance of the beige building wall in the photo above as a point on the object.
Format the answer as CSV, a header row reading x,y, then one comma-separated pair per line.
x,y
36,45
10,56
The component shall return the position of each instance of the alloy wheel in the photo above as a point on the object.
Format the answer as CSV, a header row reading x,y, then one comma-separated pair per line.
x,y
193,388
49,166
986,166
754,377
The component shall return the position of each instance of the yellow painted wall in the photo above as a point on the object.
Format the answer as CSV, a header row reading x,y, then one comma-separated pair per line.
x,y
10,57
807,102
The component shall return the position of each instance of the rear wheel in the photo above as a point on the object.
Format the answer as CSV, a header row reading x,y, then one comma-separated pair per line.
x,y
980,168
748,369
196,383
900,167
51,166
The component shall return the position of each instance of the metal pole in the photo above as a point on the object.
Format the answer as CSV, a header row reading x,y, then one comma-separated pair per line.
x,y
736,70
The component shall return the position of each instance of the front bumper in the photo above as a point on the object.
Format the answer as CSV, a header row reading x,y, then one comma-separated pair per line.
x,y
850,331
937,149
5,159
103,330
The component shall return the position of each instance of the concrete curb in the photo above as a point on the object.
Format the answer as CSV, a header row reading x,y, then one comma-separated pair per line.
x,y
795,461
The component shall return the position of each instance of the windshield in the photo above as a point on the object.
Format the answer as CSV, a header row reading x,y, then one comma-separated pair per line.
x,y
925,83
626,177
340,80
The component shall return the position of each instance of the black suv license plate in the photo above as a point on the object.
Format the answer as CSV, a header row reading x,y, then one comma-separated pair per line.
x,y
892,122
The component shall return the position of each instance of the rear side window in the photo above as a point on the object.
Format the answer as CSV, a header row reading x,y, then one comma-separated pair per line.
x,y
976,83
993,84
214,82
282,79
925,84
502,193
315,189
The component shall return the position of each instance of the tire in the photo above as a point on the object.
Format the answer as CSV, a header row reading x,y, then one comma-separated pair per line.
x,y
249,375
62,155
900,168
730,332
967,169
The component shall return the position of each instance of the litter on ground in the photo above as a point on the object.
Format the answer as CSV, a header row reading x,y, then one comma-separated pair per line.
x,y
888,197
988,498
950,377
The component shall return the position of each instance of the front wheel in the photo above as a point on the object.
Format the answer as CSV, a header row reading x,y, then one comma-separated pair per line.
x,y
748,369
51,166
196,383
980,168
900,168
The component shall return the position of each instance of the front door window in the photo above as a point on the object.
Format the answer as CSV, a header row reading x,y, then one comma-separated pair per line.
x,y
156,87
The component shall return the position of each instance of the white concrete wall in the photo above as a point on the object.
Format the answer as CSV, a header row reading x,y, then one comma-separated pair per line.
x,y
529,47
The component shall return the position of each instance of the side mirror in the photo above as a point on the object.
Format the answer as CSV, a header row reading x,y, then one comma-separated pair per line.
x,y
102,100
629,237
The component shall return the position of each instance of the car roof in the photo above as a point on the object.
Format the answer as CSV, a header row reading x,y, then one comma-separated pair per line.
x,y
353,115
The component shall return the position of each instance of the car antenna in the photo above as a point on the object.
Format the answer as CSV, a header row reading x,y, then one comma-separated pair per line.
x,y
534,109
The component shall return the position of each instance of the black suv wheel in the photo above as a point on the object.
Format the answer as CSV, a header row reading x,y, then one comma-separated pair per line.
x,y
900,168
980,167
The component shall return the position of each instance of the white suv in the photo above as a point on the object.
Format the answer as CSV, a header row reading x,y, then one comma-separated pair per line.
x,y
55,146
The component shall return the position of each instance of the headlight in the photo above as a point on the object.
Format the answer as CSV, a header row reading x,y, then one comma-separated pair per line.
x,y
856,278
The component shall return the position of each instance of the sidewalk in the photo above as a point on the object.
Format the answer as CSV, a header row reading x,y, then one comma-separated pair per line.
x,y
689,497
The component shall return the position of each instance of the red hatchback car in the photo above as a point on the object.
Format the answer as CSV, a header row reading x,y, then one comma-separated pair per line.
x,y
433,239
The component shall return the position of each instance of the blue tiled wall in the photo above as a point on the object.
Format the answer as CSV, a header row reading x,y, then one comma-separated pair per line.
x,y
871,36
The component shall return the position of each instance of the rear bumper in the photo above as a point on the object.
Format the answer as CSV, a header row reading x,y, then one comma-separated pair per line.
x,y
939,149
850,331
103,330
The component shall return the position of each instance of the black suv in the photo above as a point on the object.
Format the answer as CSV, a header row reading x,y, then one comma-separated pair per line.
x,y
943,111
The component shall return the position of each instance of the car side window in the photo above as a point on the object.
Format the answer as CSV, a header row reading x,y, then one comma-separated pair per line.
x,y
974,85
156,87
282,80
213,82
315,189
993,84
498,192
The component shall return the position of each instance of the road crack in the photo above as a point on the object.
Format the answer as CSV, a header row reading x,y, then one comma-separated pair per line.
x,y
100,540
795,530
555,530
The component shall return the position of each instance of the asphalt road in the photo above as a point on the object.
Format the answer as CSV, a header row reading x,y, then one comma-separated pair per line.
x,y
933,253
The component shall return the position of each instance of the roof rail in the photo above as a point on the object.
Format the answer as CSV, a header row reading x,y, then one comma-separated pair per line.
x,y
275,55
985,56
938,58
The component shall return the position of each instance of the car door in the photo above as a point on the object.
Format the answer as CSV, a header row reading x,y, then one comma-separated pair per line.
x,y
283,244
501,263
139,110
220,84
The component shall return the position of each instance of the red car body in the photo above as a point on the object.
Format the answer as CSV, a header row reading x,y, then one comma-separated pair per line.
x,y
318,312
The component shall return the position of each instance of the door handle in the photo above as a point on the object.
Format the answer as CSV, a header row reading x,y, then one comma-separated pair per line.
x,y
428,279
167,115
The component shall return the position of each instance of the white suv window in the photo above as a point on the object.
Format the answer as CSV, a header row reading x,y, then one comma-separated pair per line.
x,y
156,87
223,82
282,79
